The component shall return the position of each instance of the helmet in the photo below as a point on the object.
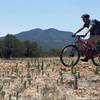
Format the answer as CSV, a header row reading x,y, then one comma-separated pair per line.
x,y
85,16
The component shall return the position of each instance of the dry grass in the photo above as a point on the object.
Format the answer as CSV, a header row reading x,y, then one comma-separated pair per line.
x,y
46,79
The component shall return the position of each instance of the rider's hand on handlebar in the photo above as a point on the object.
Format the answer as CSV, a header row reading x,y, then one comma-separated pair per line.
x,y
73,35
83,36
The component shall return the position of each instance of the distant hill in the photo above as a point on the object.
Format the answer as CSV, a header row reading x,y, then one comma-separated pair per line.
x,y
49,38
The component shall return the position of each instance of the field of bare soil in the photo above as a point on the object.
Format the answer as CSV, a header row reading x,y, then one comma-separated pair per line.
x,y
47,79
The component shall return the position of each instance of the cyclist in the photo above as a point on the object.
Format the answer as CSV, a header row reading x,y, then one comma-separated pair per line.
x,y
94,30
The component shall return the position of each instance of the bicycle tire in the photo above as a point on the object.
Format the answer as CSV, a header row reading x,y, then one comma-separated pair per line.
x,y
73,63
96,61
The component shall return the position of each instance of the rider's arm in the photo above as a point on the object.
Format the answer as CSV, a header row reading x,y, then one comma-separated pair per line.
x,y
89,29
92,25
79,30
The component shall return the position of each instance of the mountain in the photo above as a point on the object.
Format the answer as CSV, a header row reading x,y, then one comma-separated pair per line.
x,y
47,39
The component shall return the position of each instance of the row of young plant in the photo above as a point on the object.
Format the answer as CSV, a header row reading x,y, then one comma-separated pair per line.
x,y
26,80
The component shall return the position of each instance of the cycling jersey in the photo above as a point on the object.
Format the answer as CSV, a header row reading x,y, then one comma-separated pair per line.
x,y
96,26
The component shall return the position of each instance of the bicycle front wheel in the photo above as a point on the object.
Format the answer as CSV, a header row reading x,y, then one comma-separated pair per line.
x,y
69,55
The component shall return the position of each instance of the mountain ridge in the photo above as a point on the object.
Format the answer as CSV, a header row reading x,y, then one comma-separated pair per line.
x,y
47,38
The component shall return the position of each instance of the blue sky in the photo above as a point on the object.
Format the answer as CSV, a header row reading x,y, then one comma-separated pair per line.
x,y
22,15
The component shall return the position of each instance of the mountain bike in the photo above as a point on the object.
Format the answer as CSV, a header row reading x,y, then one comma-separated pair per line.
x,y
70,54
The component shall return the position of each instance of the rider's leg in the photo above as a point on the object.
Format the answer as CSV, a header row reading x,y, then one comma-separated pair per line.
x,y
89,52
91,43
88,55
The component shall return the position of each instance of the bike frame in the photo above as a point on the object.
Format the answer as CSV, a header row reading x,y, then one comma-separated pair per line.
x,y
81,43
83,46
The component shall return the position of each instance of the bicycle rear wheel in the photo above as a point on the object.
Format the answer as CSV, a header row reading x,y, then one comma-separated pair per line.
x,y
96,60
69,55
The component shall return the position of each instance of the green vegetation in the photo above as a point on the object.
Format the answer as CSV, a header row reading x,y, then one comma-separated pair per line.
x,y
10,46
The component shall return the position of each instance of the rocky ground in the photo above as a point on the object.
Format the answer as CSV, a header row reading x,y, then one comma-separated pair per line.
x,y
47,79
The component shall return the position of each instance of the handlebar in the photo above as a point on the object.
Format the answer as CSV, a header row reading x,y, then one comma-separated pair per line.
x,y
78,35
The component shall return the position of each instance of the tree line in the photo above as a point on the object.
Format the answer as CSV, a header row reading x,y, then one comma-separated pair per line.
x,y
10,46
